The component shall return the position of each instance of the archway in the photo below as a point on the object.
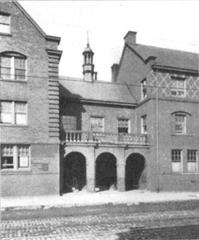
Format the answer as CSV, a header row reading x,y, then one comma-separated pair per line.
x,y
74,173
135,164
106,172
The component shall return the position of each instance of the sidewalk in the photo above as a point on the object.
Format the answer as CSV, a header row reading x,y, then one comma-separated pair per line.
x,y
84,198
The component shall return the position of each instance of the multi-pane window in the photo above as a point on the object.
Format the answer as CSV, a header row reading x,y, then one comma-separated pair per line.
x,y
69,122
97,124
4,23
144,124
178,87
180,123
176,158
123,125
12,67
192,161
13,112
15,157
143,89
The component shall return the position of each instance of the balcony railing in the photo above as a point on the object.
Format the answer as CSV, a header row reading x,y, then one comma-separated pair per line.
x,y
105,137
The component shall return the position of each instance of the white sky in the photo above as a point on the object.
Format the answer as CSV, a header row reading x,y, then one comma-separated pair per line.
x,y
172,24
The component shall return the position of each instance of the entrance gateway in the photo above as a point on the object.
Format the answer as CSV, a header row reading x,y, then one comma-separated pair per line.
x,y
74,172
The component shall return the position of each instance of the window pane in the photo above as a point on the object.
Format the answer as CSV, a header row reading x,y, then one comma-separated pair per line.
x,y
20,107
6,112
176,167
97,124
20,119
23,156
4,19
123,125
4,28
192,167
5,67
7,157
69,122
20,113
20,74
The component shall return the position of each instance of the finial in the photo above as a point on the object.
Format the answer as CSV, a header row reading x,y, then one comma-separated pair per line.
x,y
87,38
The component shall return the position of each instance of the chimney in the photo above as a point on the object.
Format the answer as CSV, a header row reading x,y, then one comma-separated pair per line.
x,y
114,69
130,37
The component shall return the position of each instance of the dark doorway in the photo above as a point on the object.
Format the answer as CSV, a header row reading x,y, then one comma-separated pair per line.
x,y
105,168
135,164
74,174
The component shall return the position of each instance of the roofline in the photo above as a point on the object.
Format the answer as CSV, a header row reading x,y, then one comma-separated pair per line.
x,y
40,30
92,101
162,67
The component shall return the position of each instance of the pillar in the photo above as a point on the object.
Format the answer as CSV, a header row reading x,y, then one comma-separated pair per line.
x,y
90,170
121,172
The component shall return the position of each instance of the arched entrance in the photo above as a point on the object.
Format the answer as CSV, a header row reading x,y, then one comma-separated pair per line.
x,y
105,169
135,164
74,173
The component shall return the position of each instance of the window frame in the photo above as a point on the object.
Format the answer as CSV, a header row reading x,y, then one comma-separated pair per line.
x,y
97,117
177,90
16,157
174,153
13,113
144,89
191,160
5,24
128,128
12,68
183,124
144,129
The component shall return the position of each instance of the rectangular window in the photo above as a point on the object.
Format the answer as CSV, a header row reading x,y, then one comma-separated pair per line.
x,y
176,157
144,124
178,87
69,122
192,161
15,157
13,112
4,23
97,124
123,125
12,67
180,123
143,89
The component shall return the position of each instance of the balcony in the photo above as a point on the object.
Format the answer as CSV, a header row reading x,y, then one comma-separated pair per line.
x,y
106,138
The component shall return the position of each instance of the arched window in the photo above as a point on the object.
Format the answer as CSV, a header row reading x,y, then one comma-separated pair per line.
x,y
12,66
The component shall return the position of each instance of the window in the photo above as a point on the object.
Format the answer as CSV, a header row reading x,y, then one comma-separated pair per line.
x,y
123,125
144,124
143,89
176,156
13,112
180,123
4,23
178,87
12,66
192,161
97,124
15,156
69,122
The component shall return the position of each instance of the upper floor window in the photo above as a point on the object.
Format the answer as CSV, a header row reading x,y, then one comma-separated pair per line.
x,y
15,156
123,125
144,124
143,89
180,123
12,66
192,161
97,124
176,158
4,23
178,87
13,112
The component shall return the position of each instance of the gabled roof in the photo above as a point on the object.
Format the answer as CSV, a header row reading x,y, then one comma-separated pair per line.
x,y
47,37
168,57
98,91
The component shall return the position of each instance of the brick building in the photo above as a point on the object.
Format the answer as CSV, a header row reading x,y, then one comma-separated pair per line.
x,y
29,105
140,130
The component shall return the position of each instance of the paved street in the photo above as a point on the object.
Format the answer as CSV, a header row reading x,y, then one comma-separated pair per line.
x,y
101,224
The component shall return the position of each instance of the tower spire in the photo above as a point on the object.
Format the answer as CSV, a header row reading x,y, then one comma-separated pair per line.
x,y
88,66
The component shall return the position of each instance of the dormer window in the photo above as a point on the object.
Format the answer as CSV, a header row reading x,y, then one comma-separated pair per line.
x,y
4,23
143,89
178,86
12,66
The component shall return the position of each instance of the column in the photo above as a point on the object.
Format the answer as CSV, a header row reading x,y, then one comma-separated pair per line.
x,y
121,172
90,170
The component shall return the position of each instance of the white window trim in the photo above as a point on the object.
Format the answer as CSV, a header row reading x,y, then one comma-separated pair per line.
x,y
13,114
15,158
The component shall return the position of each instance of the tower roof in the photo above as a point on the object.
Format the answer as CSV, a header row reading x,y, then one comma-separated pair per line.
x,y
88,48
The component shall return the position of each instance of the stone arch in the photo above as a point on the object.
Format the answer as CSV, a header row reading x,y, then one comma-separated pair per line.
x,y
135,165
74,172
105,171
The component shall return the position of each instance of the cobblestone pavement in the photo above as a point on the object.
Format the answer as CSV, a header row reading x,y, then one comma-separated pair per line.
x,y
124,226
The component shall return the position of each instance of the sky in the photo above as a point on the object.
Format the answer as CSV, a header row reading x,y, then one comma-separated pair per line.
x,y
170,24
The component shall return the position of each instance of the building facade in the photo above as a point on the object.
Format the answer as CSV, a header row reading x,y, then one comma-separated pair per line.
x,y
29,105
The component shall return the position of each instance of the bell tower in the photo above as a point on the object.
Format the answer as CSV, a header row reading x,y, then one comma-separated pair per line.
x,y
88,67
